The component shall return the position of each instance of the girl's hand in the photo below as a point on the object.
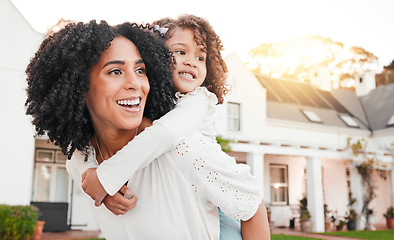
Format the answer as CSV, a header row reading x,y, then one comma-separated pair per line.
x,y
92,186
119,204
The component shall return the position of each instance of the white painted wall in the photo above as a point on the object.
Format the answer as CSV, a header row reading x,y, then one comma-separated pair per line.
x,y
17,45
247,91
335,185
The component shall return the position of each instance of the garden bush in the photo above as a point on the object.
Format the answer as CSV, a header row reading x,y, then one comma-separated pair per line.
x,y
17,222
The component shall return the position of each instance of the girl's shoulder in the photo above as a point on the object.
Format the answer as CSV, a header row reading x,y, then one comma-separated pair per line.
x,y
199,91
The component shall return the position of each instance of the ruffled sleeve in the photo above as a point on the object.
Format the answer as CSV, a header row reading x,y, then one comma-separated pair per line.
x,y
218,179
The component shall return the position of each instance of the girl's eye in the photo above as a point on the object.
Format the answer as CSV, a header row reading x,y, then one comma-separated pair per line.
x,y
141,71
115,72
181,52
200,58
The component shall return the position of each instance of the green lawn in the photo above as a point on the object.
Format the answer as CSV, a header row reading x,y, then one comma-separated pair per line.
x,y
286,237
370,235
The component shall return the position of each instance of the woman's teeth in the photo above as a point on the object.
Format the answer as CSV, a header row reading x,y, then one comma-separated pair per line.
x,y
128,102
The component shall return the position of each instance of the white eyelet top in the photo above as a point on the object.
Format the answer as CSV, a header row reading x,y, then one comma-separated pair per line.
x,y
179,175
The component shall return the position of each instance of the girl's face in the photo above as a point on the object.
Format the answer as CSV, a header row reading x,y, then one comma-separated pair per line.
x,y
191,69
118,88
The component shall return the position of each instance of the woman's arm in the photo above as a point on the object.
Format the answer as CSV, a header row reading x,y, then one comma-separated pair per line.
x,y
162,136
257,227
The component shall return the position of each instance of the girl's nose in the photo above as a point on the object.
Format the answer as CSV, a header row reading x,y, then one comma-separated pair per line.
x,y
191,62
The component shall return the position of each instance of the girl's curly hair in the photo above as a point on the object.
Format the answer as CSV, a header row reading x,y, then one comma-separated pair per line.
x,y
216,80
58,79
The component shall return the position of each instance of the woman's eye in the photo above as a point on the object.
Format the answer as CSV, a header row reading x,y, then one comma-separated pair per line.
x,y
141,71
115,72
181,52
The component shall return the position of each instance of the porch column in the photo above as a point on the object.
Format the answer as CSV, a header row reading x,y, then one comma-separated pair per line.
x,y
357,192
314,185
392,185
256,162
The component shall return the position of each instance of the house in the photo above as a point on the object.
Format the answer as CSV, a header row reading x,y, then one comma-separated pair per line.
x,y
292,135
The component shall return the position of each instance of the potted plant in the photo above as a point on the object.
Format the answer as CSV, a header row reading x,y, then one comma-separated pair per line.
x,y
340,225
305,216
389,215
327,218
351,220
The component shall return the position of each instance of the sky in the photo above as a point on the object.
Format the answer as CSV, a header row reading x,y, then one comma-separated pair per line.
x,y
241,24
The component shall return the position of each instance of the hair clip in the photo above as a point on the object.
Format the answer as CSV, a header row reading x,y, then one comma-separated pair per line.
x,y
161,30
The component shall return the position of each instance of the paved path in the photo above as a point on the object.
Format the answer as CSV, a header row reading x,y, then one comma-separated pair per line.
x,y
287,231
75,234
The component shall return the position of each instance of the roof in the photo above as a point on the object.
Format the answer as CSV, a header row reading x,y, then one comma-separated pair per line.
x,y
379,106
301,102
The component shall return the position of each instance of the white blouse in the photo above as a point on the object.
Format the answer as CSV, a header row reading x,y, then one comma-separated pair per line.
x,y
180,189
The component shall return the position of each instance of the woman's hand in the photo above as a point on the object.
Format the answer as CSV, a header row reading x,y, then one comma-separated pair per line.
x,y
119,204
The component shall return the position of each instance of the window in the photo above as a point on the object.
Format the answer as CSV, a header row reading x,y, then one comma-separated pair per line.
x,y
51,181
312,116
391,121
233,116
279,184
348,120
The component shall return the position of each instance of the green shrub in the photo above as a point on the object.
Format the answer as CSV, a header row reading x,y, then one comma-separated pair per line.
x,y
17,222
389,213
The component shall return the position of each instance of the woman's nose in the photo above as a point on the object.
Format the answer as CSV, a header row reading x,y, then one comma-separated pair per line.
x,y
132,82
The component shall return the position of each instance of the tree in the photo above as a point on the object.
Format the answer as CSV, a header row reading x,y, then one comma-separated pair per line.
x,y
300,58
59,25
386,76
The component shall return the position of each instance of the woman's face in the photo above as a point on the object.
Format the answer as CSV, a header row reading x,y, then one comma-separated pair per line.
x,y
118,88
191,69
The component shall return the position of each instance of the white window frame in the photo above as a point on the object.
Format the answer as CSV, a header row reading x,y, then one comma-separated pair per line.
x,y
348,120
284,185
231,117
312,116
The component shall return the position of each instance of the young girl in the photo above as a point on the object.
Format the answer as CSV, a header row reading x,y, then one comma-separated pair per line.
x,y
199,68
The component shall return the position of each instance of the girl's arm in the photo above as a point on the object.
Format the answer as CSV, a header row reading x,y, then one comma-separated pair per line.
x,y
117,204
257,227
162,136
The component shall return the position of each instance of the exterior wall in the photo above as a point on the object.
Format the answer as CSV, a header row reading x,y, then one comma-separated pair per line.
x,y
335,187
382,201
17,143
281,215
247,91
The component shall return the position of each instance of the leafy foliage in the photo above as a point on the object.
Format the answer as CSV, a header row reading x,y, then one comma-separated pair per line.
x,y
304,212
224,143
386,76
366,165
301,58
389,213
17,222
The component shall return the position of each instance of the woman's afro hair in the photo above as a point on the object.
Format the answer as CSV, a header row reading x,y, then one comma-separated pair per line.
x,y
216,79
58,79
